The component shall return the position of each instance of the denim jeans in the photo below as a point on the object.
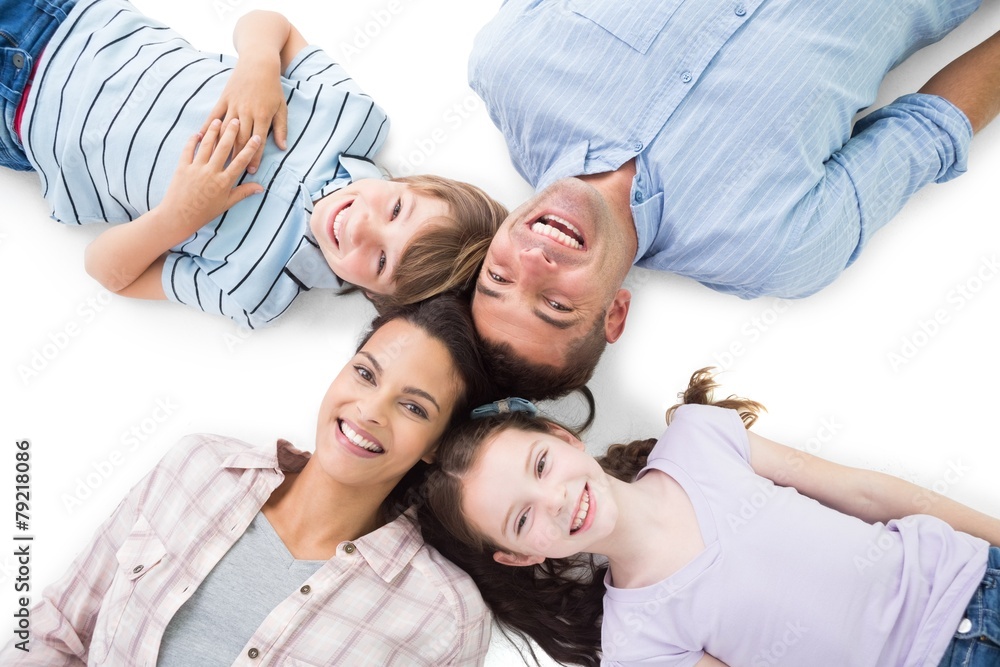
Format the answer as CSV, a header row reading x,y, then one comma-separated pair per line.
x,y
26,26
977,643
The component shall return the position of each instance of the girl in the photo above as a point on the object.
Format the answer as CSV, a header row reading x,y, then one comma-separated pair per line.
x,y
100,101
226,554
718,552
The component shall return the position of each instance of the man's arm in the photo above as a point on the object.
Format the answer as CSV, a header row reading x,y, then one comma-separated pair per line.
x,y
972,83
201,189
866,494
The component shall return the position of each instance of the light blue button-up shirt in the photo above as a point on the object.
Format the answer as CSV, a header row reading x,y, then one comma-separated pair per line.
x,y
750,178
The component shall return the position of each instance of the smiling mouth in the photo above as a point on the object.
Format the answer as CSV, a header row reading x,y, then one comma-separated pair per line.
x,y
357,439
559,230
338,221
582,511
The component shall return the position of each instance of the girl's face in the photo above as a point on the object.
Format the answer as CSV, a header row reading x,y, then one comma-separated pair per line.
x,y
387,408
363,229
537,496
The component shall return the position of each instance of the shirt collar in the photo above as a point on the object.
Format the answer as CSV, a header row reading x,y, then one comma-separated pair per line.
x,y
387,549
572,161
647,208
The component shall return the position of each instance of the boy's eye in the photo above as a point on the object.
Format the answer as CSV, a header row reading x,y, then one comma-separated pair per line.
x,y
397,208
381,264
523,519
540,466
497,278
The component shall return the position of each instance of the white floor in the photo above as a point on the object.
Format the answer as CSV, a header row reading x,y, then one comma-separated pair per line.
x,y
893,367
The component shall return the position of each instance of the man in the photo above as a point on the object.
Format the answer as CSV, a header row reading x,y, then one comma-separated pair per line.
x,y
711,139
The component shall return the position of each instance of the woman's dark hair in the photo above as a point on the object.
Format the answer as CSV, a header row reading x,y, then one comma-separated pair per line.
x,y
447,319
558,603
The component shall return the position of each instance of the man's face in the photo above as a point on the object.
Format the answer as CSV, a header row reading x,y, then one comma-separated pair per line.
x,y
554,267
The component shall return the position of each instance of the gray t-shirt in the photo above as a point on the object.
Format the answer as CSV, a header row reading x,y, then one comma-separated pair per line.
x,y
217,621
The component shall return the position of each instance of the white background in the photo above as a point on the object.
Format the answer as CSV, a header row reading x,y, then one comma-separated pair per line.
x,y
103,386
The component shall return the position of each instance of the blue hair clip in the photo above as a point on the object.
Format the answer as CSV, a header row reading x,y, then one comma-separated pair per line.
x,y
505,406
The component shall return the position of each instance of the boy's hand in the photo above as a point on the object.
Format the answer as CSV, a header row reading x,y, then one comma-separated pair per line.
x,y
202,186
254,96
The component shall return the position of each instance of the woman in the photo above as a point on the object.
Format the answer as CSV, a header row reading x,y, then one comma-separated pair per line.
x,y
227,554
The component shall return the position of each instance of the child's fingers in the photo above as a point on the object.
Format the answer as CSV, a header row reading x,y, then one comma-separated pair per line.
x,y
280,127
208,142
224,148
187,154
239,163
240,193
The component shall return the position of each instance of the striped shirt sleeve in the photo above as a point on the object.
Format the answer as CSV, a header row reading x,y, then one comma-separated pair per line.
x,y
186,281
314,64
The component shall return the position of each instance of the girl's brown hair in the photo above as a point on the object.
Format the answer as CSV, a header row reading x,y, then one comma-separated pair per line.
x,y
447,255
558,603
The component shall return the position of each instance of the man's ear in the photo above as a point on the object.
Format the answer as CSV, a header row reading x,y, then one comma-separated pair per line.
x,y
505,558
614,320
565,436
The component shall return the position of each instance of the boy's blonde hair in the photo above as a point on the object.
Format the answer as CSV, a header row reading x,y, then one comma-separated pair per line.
x,y
448,254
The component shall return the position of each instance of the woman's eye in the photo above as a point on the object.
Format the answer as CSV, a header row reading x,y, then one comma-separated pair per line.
x,y
397,208
520,523
555,305
497,278
416,409
365,374
540,466
381,263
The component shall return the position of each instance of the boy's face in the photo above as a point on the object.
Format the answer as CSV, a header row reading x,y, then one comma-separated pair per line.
x,y
363,229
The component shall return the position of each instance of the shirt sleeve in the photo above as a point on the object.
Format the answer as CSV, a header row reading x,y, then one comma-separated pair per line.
x,y
894,152
185,281
474,638
314,64
62,624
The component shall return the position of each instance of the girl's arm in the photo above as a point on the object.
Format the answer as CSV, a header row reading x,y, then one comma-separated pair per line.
x,y
266,43
866,494
127,259
709,661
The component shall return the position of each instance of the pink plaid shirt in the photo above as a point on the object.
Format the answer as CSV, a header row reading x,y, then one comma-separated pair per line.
x,y
383,599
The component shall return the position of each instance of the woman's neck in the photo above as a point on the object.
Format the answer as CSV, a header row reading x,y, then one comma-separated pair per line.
x,y
312,514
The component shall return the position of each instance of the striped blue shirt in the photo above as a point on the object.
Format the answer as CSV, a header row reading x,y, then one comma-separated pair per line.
x,y
750,177
114,101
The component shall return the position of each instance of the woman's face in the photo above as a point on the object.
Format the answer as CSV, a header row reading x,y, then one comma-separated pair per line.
x,y
387,408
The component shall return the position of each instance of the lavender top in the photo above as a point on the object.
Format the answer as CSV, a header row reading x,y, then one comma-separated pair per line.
x,y
784,579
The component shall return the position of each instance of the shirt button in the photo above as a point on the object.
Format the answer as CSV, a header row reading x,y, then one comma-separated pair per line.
x,y
637,146
18,60
137,569
305,589
686,77
741,10
964,626
253,653
638,197
349,548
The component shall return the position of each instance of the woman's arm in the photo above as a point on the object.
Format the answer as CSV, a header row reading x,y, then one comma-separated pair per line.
x,y
866,494
266,43
126,258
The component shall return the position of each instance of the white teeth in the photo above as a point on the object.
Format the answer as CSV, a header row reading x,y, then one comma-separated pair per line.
x,y
364,443
337,222
582,512
565,223
540,227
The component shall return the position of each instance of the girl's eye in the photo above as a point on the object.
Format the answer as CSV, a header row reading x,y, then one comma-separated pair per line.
x,y
520,523
397,208
365,374
381,263
555,305
416,409
497,278
540,466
